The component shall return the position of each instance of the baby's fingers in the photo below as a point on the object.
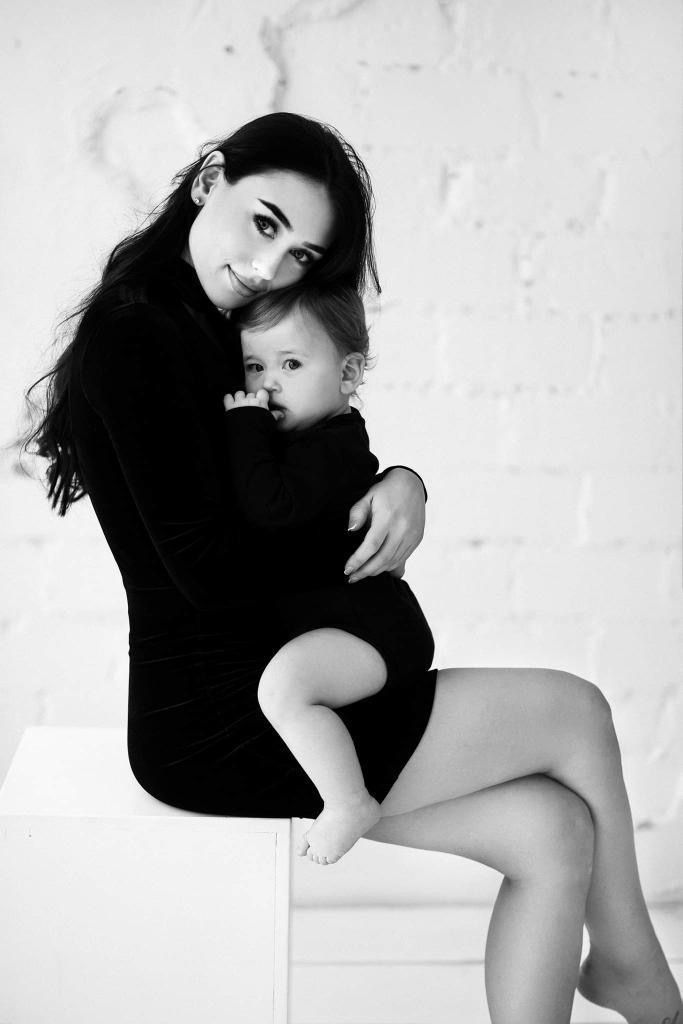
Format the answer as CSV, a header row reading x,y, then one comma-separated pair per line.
x,y
237,400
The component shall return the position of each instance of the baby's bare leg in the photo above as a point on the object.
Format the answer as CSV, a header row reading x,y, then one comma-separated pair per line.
x,y
303,682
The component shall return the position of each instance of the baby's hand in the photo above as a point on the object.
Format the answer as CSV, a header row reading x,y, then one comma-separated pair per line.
x,y
241,399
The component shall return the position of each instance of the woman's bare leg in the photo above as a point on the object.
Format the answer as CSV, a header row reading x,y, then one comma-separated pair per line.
x,y
490,725
303,682
540,836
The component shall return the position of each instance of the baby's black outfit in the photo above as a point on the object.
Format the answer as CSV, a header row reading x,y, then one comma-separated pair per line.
x,y
296,488
146,406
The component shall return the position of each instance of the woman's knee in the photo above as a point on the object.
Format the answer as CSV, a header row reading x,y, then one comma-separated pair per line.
x,y
589,696
559,833
585,708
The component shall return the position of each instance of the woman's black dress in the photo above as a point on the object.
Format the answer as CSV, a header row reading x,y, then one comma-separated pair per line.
x,y
146,401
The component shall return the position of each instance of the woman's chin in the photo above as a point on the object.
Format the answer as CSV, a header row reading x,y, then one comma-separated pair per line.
x,y
228,301
222,295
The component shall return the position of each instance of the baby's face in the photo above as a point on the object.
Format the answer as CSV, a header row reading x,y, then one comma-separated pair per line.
x,y
300,368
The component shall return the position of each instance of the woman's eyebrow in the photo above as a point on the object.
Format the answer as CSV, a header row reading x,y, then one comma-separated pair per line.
x,y
283,220
278,213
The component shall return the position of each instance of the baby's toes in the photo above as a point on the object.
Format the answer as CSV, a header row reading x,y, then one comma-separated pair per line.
x,y
317,858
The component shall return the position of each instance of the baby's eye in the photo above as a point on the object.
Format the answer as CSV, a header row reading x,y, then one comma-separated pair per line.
x,y
296,363
265,225
302,256
253,368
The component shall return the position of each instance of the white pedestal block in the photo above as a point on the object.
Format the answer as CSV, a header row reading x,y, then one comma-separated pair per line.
x,y
117,909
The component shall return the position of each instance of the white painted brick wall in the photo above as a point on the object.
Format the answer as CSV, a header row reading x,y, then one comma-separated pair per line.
x,y
526,160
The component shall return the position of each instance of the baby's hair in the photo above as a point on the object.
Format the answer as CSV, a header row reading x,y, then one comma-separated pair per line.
x,y
339,310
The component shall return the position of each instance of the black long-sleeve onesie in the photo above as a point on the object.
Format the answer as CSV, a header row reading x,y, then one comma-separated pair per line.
x,y
146,405
295,488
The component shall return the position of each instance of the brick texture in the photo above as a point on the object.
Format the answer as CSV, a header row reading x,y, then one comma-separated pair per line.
x,y
526,159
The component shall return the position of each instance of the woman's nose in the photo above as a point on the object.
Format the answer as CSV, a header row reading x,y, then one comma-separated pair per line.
x,y
265,265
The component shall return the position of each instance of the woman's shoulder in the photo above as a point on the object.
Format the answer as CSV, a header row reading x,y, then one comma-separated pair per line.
x,y
140,302
153,321
128,326
134,298
166,298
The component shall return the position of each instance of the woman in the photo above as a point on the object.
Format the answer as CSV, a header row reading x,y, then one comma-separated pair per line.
x,y
516,768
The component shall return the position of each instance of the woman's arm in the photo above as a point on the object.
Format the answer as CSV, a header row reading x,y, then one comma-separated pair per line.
x,y
396,506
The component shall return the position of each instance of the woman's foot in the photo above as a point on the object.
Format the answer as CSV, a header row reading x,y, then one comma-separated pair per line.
x,y
338,827
646,993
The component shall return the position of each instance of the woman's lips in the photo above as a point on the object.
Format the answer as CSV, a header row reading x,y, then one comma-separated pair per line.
x,y
239,286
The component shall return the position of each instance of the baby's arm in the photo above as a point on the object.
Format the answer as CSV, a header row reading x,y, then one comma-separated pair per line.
x,y
289,484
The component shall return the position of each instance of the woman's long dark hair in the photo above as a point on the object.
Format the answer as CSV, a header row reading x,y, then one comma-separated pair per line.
x,y
281,141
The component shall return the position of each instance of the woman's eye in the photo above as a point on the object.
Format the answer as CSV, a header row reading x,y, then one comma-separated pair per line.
x,y
265,225
296,363
302,256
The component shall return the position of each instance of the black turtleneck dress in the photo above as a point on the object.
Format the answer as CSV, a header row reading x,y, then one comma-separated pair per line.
x,y
204,595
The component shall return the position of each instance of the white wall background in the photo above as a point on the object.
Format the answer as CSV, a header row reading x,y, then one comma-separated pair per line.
x,y
526,161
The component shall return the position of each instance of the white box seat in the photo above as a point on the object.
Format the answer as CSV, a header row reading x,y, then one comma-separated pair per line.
x,y
118,909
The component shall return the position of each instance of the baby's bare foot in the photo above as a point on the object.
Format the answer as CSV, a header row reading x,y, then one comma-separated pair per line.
x,y
338,827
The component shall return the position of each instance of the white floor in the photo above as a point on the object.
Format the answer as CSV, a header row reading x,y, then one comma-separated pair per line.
x,y
413,965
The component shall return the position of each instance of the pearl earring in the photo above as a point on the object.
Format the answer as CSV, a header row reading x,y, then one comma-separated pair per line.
x,y
198,201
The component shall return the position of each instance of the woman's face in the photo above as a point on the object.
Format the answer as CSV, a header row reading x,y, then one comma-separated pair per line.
x,y
262,233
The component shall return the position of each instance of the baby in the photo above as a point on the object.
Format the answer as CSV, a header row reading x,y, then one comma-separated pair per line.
x,y
299,458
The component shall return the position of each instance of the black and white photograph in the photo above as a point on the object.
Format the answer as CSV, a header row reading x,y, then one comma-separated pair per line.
x,y
341,451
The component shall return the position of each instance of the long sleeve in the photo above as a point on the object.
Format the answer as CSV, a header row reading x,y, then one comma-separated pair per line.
x,y
380,476
283,482
143,379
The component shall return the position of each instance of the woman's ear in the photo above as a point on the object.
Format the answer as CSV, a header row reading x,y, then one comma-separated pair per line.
x,y
211,170
352,372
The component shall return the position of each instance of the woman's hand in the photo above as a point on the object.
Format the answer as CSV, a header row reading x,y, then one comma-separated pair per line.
x,y
396,506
